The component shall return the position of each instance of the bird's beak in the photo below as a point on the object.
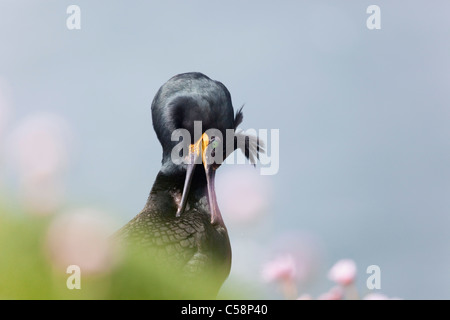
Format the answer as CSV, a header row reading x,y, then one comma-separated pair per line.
x,y
197,150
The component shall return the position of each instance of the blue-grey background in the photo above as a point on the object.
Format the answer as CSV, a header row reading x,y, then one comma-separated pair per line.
x,y
364,116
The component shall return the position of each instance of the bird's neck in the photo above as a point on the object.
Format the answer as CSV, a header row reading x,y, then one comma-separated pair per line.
x,y
167,190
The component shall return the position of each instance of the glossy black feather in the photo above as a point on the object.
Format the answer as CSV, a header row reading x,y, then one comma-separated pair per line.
x,y
190,244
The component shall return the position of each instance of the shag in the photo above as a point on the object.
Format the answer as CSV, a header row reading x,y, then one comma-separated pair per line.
x,y
181,224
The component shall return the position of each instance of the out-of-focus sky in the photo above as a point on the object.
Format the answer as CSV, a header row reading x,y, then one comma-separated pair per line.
x,y
364,116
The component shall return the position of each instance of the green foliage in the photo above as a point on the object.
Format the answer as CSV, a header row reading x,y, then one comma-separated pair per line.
x,y
27,271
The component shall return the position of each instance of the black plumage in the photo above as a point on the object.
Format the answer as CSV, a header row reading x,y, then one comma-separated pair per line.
x,y
186,236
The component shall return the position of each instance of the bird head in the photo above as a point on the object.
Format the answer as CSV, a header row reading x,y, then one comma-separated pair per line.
x,y
197,111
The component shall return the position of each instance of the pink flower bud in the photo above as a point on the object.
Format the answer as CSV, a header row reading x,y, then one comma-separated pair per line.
x,y
281,269
343,272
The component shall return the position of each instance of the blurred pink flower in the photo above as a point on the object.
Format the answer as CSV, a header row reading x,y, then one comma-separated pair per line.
x,y
305,296
305,249
343,272
41,195
243,194
81,237
39,144
281,269
38,150
335,293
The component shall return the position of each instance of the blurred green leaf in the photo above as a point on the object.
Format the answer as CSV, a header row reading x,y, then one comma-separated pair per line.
x,y
26,271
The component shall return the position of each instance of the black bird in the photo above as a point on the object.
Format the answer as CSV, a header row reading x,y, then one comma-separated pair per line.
x,y
181,224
